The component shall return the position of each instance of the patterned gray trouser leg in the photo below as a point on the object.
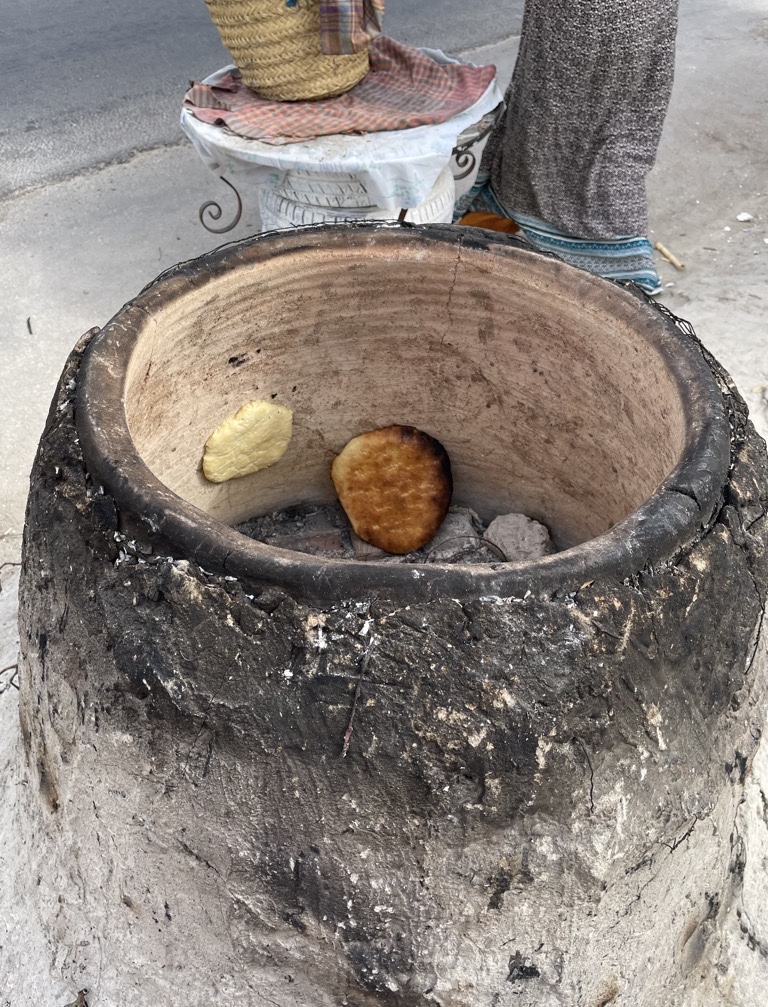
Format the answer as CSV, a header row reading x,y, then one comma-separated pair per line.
x,y
586,106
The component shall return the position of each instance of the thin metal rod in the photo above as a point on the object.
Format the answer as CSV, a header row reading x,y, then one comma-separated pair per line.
x,y
214,211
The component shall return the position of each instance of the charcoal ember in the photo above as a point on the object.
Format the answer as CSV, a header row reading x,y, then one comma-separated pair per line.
x,y
324,530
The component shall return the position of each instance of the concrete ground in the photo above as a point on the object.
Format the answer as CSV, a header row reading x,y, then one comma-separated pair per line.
x,y
73,252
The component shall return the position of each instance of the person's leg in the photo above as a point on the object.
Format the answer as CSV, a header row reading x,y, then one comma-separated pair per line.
x,y
585,110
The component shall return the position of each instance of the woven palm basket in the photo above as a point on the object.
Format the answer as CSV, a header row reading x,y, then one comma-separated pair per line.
x,y
276,47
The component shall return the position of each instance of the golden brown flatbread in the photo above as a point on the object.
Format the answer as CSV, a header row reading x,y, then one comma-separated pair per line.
x,y
255,437
395,486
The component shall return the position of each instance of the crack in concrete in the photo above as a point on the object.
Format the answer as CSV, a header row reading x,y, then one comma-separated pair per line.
x,y
476,50
756,645
754,943
199,858
580,743
62,177
681,839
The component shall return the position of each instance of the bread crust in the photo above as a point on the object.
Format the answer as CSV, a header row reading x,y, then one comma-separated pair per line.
x,y
395,486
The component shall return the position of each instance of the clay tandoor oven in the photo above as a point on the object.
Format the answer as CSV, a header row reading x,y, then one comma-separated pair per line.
x,y
538,801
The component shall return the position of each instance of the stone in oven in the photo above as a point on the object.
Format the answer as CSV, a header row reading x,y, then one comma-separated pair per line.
x,y
519,537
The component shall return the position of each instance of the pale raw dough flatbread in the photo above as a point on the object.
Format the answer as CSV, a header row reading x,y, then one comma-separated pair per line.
x,y
255,437
395,486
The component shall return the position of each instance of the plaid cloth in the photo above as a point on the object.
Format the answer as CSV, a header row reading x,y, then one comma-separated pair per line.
x,y
404,88
349,26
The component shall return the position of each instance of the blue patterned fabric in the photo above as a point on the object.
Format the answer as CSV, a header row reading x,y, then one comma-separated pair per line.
x,y
622,258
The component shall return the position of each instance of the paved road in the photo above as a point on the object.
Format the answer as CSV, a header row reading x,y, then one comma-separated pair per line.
x,y
86,84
